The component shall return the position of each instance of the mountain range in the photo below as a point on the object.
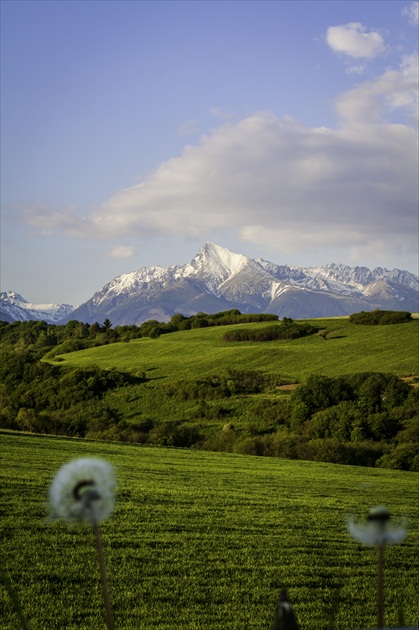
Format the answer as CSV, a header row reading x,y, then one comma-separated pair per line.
x,y
218,279
13,307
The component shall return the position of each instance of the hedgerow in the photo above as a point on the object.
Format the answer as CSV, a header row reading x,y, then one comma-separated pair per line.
x,y
377,317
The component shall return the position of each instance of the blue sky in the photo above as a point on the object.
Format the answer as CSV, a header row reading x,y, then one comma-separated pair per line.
x,y
134,132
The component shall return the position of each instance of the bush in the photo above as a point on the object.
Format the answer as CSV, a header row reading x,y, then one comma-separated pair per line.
x,y
288,329
222,441
333,422
284,444
403,457
336,452
377,317
250,446
174,434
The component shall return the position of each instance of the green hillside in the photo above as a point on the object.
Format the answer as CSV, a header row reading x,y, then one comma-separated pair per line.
x,y
343,393
186,354
203,540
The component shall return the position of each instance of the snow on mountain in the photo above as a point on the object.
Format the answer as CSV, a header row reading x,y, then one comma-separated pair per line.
x,y
218,279
340,278
13,307
131,282
215,262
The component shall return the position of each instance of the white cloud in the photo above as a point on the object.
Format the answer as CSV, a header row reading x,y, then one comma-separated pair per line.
x,y
354,40
47,221
278,183
412,13
371,100
123,251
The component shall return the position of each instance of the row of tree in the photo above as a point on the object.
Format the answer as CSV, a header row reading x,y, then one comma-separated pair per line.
x,y
53,339
42,338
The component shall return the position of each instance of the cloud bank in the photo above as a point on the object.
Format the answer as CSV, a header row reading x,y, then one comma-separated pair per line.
x,y
280,184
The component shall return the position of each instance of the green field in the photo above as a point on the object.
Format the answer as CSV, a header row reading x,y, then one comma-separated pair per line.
x,y
199,353
203,540
175,366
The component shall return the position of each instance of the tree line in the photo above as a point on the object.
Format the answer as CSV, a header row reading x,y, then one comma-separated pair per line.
x,y
52,339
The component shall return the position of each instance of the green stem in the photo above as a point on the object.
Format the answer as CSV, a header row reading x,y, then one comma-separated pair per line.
x,y
103,577
14,599
380,587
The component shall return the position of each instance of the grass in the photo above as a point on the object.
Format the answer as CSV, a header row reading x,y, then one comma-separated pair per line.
x,y
202,352
203,540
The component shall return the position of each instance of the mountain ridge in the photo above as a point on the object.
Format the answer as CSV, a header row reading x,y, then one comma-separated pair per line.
x,y
14,307
218,279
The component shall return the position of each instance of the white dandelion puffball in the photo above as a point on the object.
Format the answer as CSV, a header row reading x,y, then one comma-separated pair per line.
x,y
83,491
378,530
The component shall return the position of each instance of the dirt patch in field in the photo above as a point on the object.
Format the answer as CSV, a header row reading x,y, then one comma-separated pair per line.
x,y
287,387
413,380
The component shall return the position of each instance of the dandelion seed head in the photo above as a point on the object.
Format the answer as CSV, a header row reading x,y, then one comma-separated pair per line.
x,y
83,491
378,530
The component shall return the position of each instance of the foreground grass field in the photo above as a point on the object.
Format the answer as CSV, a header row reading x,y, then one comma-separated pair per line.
x,y
202,352
203,540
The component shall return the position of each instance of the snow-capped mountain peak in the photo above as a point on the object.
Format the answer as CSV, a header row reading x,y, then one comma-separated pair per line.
x,y
214,265
218,279
219,260
13,307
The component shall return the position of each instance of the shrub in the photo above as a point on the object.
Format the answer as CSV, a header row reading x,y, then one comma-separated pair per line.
x,y
250,446
222,441
377,317
174,434
403,457
284,444
288,329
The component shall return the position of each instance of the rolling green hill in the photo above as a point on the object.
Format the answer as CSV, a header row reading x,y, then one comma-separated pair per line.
x,y
202,352
335,395
203,540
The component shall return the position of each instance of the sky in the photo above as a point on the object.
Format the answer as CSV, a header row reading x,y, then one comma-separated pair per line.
x,y
132,132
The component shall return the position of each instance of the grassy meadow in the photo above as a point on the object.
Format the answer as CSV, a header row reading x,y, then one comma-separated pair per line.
x,y
202,352
190,355
203,540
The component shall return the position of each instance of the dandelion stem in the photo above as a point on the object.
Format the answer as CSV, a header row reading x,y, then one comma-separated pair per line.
x,y
14,599
380,587
103,577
